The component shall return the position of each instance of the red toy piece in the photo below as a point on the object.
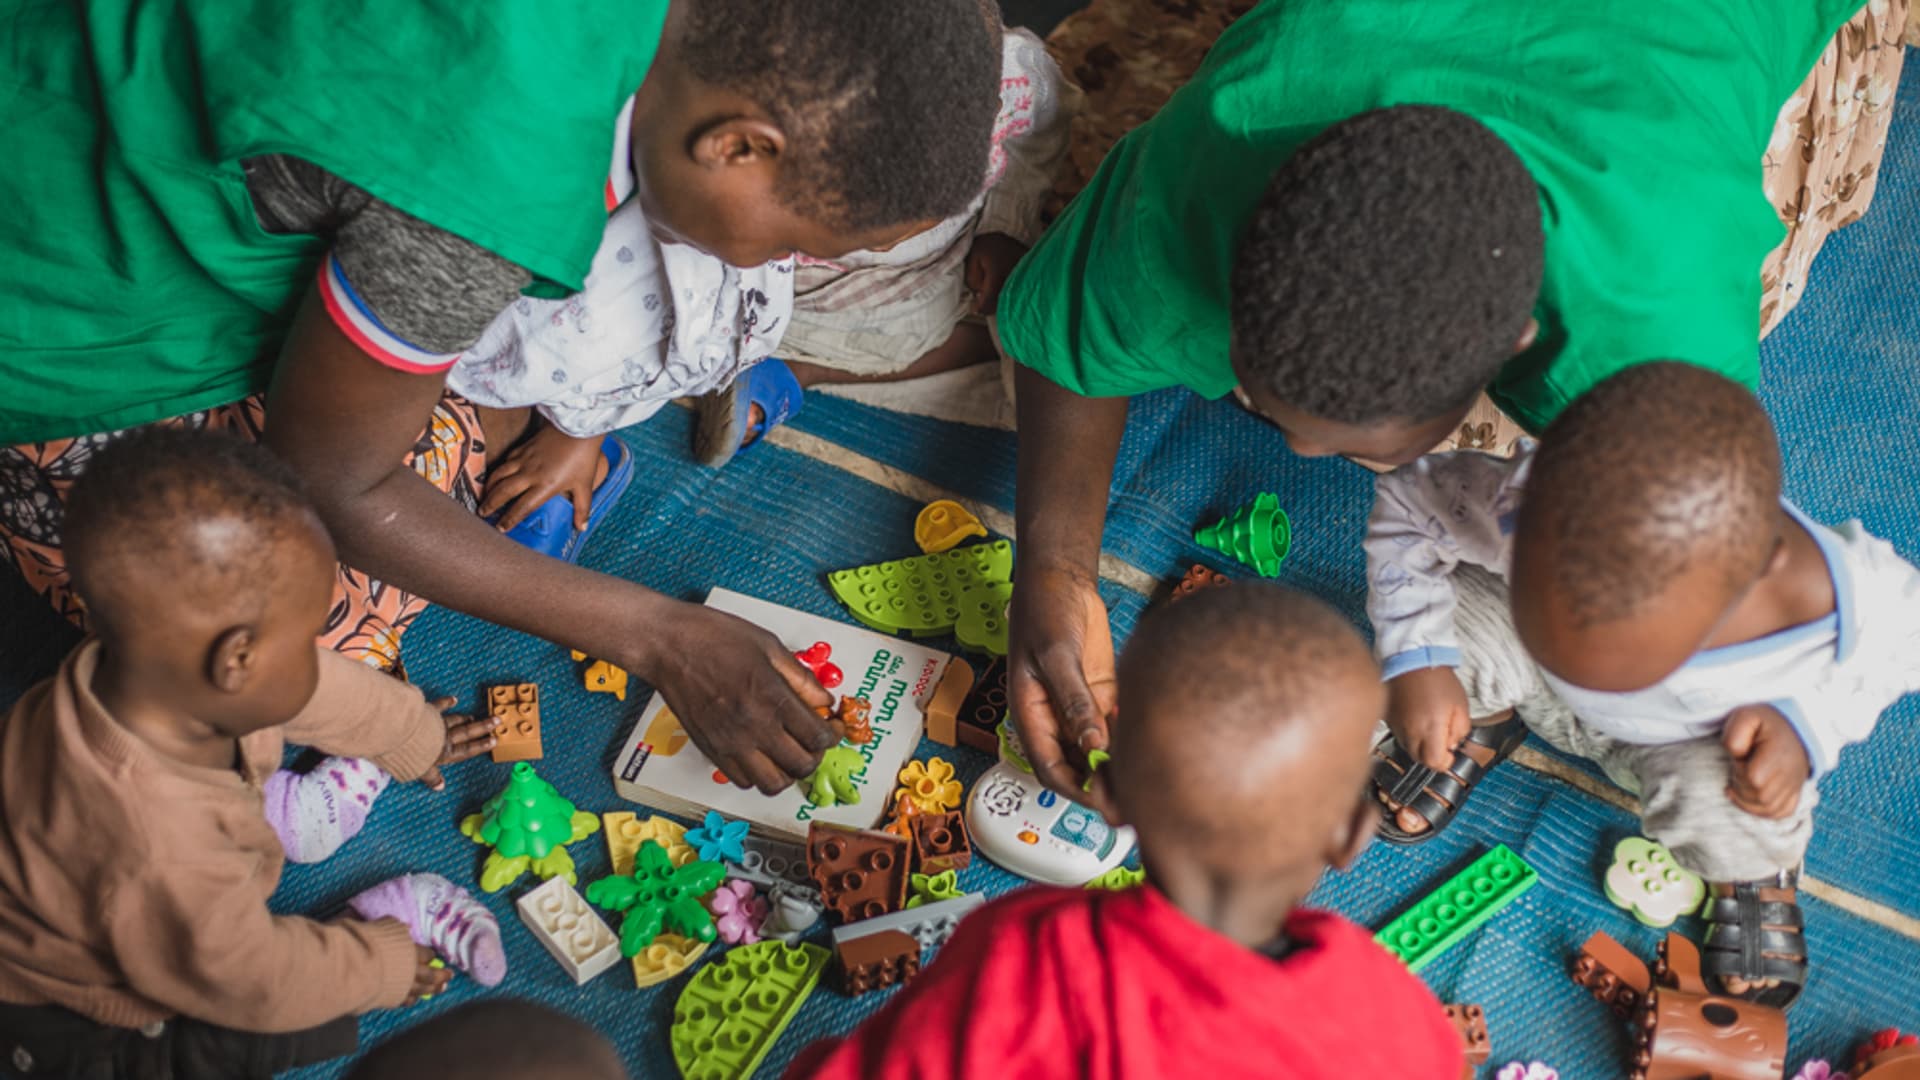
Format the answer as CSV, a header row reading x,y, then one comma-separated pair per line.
x,y
860,873
1889,1055
1617,977
815,656
878,960
1471,1022
940,841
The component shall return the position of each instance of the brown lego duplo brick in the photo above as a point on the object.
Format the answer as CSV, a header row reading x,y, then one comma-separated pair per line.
x,y
1615,976
943,708
1471,1022
940,842
877,961
860,873
517,709
1685,1036
980,715
1197,578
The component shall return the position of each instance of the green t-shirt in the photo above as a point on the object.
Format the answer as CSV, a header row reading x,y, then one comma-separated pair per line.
x,y
1643,121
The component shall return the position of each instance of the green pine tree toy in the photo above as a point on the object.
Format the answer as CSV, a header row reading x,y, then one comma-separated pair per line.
x,y
1257,534
528,825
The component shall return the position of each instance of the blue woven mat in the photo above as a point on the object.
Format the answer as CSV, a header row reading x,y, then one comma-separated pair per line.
x,y
1840,377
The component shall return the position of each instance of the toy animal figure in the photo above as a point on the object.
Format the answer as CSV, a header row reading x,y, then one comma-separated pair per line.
x,y
832,783
857,715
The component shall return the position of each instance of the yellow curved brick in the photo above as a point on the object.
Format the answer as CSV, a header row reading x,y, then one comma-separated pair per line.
x,y
626,832
668,956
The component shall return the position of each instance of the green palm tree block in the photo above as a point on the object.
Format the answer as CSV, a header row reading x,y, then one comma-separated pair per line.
x,y
659,895
528,825
1258,534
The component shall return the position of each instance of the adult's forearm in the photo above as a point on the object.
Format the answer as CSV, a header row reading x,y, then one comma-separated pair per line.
x,y
1067,448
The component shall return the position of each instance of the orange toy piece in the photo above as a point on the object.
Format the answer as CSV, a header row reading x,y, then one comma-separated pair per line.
x,y
943,708
517,708
857,715
905,810
602,677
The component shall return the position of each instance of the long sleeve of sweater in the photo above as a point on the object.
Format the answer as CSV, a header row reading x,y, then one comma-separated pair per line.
x,y
359,711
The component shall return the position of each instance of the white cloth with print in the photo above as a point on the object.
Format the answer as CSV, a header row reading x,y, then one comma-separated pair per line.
x,y
655,322
1831,678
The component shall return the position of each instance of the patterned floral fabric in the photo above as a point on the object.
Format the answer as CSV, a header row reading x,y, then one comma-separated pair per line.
x,y
1820,170
368,616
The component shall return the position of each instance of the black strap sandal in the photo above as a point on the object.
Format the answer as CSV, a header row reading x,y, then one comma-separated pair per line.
x,y
1431,793
1753,938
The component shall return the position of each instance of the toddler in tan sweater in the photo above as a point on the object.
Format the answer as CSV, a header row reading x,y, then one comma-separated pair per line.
x,y
135,855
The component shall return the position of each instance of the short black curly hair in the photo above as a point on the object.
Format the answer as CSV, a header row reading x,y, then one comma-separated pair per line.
x,y
132,516
889,107
1660,468
1390,268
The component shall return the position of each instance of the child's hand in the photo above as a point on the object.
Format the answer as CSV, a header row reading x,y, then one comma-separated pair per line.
x,y
1769,762
550,462
1428,714
467,737
990,261
427,979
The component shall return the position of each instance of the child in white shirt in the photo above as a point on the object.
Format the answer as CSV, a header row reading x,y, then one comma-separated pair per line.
x,y
1670,617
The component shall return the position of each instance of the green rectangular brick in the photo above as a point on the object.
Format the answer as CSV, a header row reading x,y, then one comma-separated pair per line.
x,y
1455,909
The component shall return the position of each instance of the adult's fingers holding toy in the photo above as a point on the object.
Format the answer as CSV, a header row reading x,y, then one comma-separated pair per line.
x,y
1060,675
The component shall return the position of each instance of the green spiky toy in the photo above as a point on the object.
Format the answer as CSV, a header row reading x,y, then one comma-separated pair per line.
x,y
528,825
1257,534
659,895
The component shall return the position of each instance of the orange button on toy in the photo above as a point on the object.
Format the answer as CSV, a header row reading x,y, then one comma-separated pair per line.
x,y
1027,836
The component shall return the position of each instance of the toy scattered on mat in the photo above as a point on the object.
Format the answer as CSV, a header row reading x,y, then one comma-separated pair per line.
x,y
716,839
1889,1055
1612,974
528,825
978,723
943,709
930,785
1819,1069
1031,831
875,961
602,677
1120,877
1455,909
1470,1021
1258,534
1196,578
516,712
942,524
856,716
668,956
1529,1070
940,841
904,811
934,594
738,912
793,911
767,862
932,888
443,917
1686,1032
625,833
860,873
930,924
832,781
825,672
659,895
569,930
733,1010
1095,758
1646,882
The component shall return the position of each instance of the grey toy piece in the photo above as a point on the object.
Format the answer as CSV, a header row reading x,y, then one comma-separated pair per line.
x,y
929,924
766,863
795,908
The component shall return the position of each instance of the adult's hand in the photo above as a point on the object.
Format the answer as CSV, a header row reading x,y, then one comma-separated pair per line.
x,y
346,423
1060,661
1060,680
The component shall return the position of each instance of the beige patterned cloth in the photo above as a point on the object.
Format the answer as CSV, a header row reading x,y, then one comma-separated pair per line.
x,y
1819,171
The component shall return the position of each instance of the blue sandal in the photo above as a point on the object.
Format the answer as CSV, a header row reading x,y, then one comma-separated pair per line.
x,y
724,424
549,530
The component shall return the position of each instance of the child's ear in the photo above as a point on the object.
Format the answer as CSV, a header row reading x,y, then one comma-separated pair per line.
x,y
1354,834
740,140
230,662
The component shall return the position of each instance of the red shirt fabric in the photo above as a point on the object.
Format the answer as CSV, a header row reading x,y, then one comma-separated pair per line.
x,y
1090,983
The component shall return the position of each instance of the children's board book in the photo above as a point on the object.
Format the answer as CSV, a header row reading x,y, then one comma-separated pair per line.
x,y
661,768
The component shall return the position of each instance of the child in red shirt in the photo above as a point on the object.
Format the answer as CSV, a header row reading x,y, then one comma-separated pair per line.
x,y
1240,756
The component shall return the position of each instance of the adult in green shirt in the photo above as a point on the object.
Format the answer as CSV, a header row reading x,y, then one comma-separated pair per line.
x,y
287,219
1359,214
